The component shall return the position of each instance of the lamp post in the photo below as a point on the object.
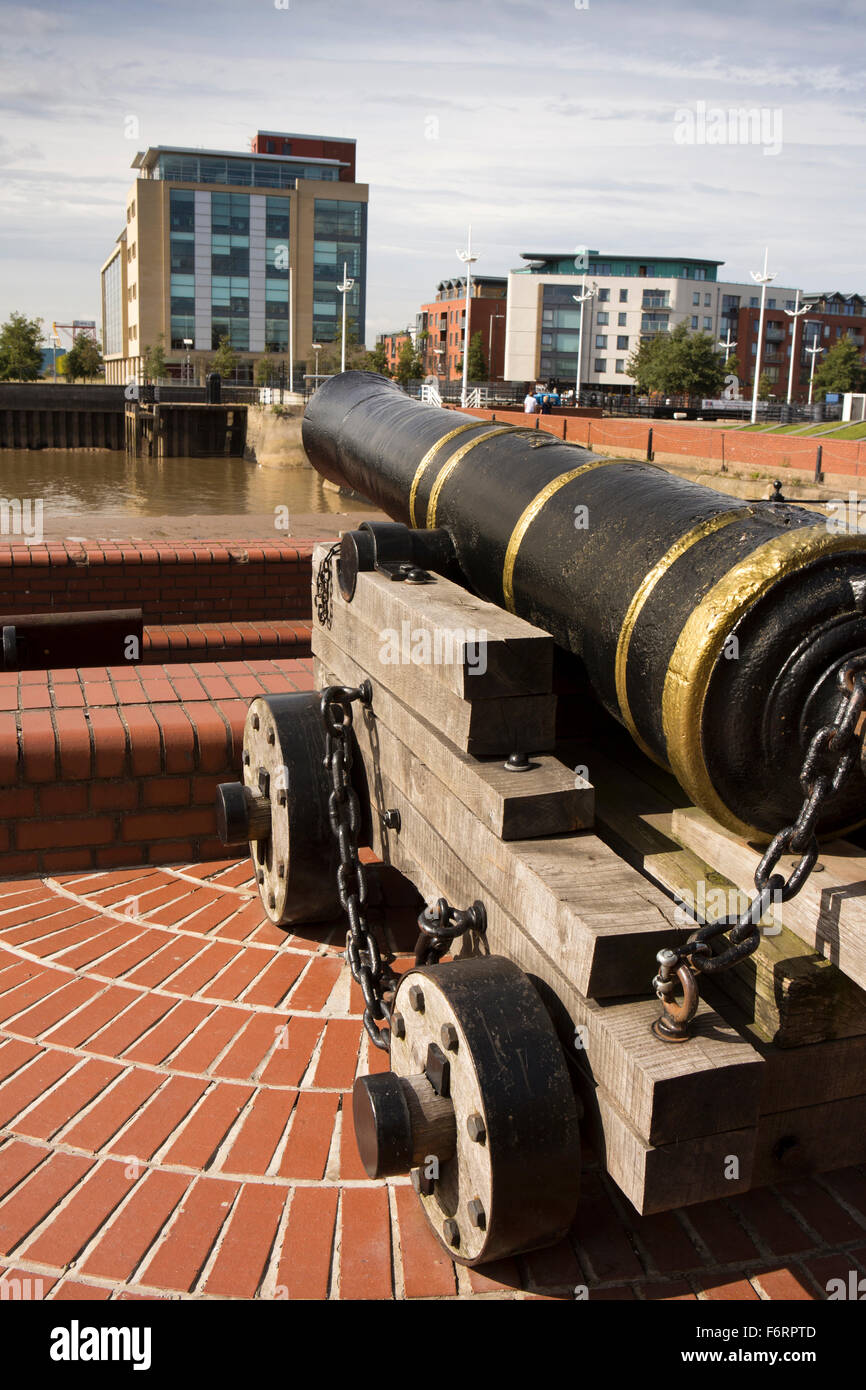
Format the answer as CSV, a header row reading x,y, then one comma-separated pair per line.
x,y
581,299
291,338
344,288
317,348
493,318
793,315
187,342
762,278
467,258
813,352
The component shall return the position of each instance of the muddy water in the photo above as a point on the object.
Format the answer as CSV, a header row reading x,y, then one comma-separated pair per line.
x,y
77,487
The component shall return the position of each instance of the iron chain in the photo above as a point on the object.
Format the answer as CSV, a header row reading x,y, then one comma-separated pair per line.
x,y
830,758
362,951
324,581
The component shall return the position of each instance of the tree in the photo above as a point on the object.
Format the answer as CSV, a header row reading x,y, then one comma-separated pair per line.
x,y
841,370
154,360
225,359
266,368
765,387
679,363
84,359
377,361
20,355
409,364
477,367
733,364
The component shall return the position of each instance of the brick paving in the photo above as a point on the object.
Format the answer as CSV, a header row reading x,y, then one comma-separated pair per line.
x,y
175,1098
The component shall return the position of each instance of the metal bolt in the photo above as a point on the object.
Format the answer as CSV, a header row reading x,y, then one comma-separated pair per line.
x,y
416,998
255,721
448,1034
272,902
391,820
398,1025
260,876
282,797
281,871
475,1128
421,1183
246,759
272,737
518,762
451,1232
477,1214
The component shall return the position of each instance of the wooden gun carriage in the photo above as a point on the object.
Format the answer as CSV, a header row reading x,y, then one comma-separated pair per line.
x,y
486,776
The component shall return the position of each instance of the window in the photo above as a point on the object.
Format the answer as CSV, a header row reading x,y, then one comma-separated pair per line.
x,y
754,301
603,296
621,320
694,320
708,299
620,365
600,364
789,303
656,299
708,325
696,297
601,340
603,318
771,303
622,342
623,296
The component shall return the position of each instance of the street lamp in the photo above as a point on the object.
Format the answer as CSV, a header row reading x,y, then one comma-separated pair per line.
x,y
467,258
813,352
344,288
793,315
762,278
581,299
317,348
187,342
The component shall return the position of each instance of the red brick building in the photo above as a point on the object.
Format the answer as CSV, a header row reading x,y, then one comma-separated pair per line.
x,y
392,343
440,325
314,147
830,317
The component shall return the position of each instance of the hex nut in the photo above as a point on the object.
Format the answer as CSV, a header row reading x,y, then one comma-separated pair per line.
x,y
398,1026
422,1184
475,1128
477,1214
255,721
448,1034
416,998
451,1232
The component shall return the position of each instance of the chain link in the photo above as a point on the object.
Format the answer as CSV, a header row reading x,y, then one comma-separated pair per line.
x,y
324,582
344,813
830,758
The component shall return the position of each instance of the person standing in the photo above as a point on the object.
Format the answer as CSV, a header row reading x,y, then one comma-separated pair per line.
x,y
530,404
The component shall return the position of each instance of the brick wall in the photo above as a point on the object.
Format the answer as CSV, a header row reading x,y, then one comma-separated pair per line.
x,y
102,767
172,583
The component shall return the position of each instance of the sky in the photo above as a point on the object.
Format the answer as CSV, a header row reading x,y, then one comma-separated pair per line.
x,y
547,126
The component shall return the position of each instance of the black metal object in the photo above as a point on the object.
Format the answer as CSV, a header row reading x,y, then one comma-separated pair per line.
x,y
395,550
213,388
40,641
710,627
442,925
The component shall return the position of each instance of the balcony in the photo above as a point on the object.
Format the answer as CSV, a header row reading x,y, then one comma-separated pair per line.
x,y
774,334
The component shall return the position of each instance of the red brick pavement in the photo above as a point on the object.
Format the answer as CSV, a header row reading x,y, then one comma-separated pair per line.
x,y
175,1079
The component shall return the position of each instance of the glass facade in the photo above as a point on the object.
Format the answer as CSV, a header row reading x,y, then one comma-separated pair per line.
x,y
251,173
182,254
560,325
112,308
277,215
623,267
339,238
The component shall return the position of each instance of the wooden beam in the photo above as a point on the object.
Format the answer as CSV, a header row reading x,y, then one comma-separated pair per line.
x,y
547,800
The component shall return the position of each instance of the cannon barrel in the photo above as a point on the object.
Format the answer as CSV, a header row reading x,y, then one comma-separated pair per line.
x,y
713,629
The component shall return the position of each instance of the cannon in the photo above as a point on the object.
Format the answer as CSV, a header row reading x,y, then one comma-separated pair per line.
x,y
727,640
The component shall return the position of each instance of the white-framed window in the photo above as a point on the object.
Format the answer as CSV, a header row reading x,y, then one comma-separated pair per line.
x,y
600,364
622,319
603,318
601,340
620,365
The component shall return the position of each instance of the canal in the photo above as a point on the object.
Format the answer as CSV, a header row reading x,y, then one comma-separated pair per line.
x,y
91,495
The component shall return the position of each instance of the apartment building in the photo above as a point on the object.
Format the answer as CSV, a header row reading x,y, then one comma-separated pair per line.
x,y
209,241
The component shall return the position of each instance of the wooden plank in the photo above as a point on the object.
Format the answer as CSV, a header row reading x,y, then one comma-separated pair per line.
x,y
815,1073
829,913
474,649
670,1091
500,724
810,1139
547,800
796,995
596,916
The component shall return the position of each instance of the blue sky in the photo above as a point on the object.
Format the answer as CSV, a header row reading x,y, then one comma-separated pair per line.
x,y
547,125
